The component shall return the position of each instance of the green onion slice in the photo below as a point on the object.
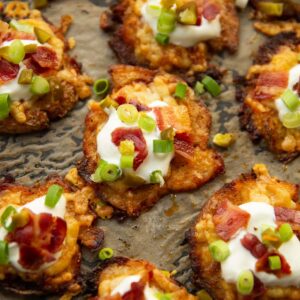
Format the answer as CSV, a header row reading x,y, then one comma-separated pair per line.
x,y
4,106
6,215
108,102
180,90
146,123
199,88
219,250
4,253
166,21
16,52
126,161
274,262
39,85
25,76
106,172
291,119
53,195
42,35
211,86
285,232
20,27
101,86
163,146
163,296
168,134
153,10
106,253
157,177
245,283
290,99
128,113
162,39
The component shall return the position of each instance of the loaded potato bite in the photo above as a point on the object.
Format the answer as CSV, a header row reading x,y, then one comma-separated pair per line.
x,y
147,138
124,278
244,244
271,104
39,82
39,233
172,34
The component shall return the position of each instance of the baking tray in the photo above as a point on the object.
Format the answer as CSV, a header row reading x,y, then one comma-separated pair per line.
x,y
159,234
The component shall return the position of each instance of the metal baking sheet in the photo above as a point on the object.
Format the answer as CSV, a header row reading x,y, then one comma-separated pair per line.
x,y
159,234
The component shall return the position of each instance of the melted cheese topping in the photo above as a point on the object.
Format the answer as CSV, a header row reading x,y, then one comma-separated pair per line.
x,y
294,75
12,87
185,35
125,286
109,152
37,206
240,259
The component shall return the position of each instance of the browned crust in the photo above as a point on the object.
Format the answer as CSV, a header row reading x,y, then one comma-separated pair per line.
x,y
26,284
208,276
184,176
61,99
124,24
121,266
266,125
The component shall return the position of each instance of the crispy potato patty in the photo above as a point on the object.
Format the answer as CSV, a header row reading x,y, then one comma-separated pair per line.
x,y
134,43
67,84
258,185
259,115
113,272
63,275
184,174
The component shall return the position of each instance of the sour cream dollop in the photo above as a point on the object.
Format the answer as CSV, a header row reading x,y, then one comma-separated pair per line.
x,y
37,206
240,259
185,35
294,75
109,152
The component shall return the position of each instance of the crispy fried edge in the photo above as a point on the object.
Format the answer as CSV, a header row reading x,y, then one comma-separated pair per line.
x,y
263,56
122,75
229,190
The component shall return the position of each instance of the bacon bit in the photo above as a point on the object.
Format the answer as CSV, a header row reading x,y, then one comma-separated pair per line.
x,y
210,10
173,116
39,239
139,106
120,100
136,292
270,84
8,71
135,135
183,148
262,265
228,219
287,215
9,36
254,245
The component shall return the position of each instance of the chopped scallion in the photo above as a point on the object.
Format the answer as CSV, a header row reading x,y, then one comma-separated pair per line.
x,y
180,90
106,253
163,146
20,26
146,123
290,99
163,296
219,250
39,85
101,86
128,113
166,21
4,253
274,262
245,283
6,215
211,86
53,195
199,88
153,10
157,177
42,35
126,161
162,39
168,134
106,172
25,76
4,106
16,52
285,232
291,119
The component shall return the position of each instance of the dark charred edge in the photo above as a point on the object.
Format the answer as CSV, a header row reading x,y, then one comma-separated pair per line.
x,y
240,83
83,166
271,47
287,157
16,285
91,280
92,238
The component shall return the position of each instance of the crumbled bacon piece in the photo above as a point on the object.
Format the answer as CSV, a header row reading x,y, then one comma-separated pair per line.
x,y
262,265
254,245
8,71
183,146
139,106
258,290
210,10
39,239
228,219
120,100
287,215
136,292
136,136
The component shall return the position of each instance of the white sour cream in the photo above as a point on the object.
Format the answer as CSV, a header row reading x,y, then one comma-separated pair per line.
x,y
125,286
37,206
109,152
241,3
13,88
240,259
294,75
185,35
